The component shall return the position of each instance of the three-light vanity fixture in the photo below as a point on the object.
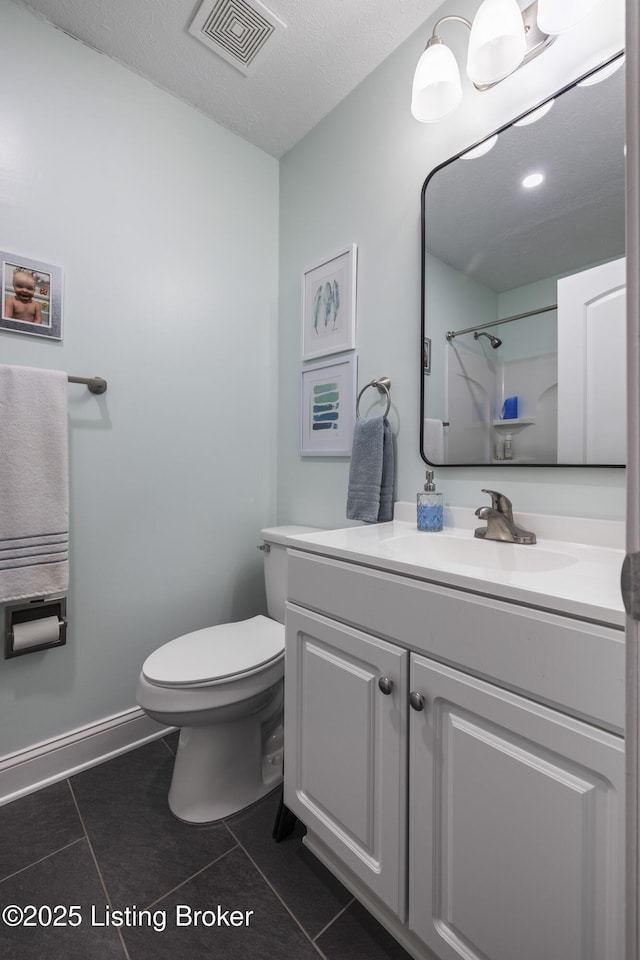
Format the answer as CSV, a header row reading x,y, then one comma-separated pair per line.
x,y
502,38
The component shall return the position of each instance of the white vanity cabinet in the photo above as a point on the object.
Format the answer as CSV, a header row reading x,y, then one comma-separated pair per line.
x,y
515,825
484,821
348,761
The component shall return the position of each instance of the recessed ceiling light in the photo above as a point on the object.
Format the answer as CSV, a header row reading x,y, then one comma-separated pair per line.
x,y
481,149
535,114
533,180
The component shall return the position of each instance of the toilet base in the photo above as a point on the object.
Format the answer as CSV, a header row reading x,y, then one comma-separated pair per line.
x,y
221,769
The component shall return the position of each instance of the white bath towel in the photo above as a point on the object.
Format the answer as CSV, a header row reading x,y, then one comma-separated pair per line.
x,y
34,483
434,440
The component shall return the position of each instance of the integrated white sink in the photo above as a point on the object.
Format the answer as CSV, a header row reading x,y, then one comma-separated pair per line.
x,y
434,549
574,568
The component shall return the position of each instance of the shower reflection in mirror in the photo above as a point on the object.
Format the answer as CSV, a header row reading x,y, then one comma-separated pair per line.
x,y
494,341
534,278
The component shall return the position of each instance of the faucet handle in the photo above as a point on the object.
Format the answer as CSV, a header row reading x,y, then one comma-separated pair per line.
x,y
501,503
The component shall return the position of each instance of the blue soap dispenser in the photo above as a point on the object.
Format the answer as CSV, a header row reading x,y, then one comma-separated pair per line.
x,y
430,509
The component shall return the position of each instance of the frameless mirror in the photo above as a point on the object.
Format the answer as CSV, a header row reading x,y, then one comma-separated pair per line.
x,y
523,288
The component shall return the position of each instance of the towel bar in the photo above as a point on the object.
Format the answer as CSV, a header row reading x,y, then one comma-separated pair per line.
x,y
95,384
384,386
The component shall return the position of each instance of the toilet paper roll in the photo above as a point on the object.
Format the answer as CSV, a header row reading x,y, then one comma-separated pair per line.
x,y
33,633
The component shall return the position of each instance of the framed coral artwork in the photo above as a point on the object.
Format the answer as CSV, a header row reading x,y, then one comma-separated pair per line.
x,y
329,305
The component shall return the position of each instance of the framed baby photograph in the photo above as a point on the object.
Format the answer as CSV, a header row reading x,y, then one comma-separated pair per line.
x,y
329,305
327,408
31,296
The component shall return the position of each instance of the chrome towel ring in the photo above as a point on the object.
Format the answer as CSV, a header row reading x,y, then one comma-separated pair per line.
x,y
384,386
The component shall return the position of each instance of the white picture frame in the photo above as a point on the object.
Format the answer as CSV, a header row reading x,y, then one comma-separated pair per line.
x,y
329,305
327,408
34,307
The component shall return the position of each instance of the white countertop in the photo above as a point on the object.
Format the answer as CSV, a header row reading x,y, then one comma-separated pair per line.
x,y
579,576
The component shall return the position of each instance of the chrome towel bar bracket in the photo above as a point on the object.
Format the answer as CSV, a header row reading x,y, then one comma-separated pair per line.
x,y
95,384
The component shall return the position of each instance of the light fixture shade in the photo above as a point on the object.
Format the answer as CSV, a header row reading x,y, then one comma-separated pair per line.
x,y
437,90
556,16
497,44
481,149
534,115
602,74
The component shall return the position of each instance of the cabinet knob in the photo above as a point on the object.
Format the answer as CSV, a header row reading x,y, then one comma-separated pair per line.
x,y
385,685
416,700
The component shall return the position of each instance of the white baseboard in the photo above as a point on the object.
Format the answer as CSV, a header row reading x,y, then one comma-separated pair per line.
x,y
58,758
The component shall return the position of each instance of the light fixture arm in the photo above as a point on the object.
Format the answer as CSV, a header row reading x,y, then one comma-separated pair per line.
x,y
536,40
502,38
434,38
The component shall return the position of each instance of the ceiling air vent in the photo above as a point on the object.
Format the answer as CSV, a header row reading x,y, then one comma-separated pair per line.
x,y
236,30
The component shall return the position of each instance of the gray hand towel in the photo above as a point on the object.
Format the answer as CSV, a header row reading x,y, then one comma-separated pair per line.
x,y
370,493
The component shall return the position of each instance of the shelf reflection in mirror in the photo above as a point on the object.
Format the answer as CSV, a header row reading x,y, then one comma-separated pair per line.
x,y
540,268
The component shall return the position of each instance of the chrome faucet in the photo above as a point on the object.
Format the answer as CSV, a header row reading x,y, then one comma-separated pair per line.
x,y
500,522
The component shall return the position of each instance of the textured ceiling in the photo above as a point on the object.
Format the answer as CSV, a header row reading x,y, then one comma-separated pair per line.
x,y
327,48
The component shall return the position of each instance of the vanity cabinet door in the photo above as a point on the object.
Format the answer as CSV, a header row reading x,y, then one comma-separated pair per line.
x,y
345,747
516,825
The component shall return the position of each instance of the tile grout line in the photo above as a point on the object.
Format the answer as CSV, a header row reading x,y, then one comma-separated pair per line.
x,y
178,886
96,864
337,917
172,752
276,894
237,845
53,853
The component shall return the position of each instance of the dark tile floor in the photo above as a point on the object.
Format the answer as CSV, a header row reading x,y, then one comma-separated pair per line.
x,y
105,843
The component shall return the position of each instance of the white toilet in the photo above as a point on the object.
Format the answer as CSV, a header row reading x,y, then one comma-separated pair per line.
x,y
224,686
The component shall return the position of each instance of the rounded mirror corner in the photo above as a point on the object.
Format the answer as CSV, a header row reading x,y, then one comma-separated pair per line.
x,y
494,311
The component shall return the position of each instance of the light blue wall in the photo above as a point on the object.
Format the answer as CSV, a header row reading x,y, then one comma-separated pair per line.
x,y
166,227
357,177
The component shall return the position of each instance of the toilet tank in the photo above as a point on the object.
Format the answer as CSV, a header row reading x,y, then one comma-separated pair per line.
x,y
276,540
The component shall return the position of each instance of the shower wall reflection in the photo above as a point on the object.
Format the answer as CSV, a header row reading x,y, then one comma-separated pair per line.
x,y
480,377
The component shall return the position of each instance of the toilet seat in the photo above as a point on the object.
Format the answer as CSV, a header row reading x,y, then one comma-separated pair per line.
x,y
216,654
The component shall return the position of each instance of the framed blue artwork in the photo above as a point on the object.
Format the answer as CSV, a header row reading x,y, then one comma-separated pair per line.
x,y
328,408
329,305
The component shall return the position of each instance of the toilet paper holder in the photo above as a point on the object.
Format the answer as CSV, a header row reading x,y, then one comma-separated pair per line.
x,y
26,613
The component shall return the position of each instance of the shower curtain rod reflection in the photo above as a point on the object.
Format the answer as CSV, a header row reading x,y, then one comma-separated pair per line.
x,y
95,384
494,323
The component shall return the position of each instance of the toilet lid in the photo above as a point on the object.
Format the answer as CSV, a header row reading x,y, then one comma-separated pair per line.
x,y
216,653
